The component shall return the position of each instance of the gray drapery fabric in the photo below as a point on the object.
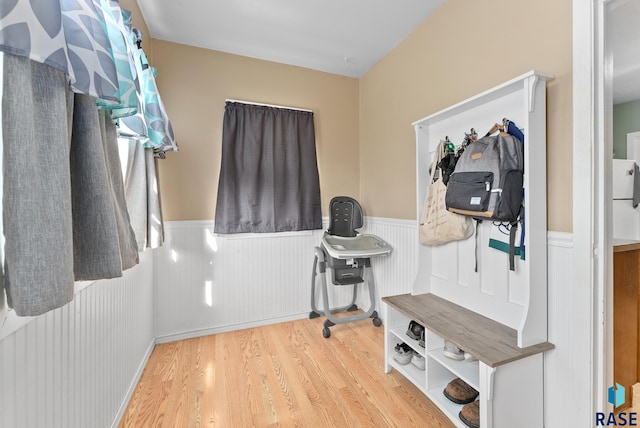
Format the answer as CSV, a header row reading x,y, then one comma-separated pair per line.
x,y
269,175
155,222
104,243
64,212
126,237
135,186
141,191
36,107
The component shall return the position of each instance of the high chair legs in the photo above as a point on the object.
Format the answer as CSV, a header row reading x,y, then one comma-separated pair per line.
x,y
320,269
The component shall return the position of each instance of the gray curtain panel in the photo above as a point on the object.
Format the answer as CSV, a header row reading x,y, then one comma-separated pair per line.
x,y
135,187
155,221
104,243
142,193
126,236
64,215
36,107
269,174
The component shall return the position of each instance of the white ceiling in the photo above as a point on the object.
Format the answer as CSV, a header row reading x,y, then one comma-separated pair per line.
x,y
336,36
623,23
344,37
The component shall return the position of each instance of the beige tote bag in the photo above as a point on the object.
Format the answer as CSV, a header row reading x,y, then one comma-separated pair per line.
x,y
439,226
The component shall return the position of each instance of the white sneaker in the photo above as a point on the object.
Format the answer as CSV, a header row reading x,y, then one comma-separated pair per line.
x,y
452,351
418,361
402,353
469,357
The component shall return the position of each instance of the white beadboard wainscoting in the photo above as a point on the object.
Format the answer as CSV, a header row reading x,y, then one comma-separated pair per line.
x,y
77,366
562,370
208,283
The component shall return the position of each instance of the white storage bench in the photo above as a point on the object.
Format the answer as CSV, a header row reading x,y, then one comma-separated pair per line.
x,y
508,378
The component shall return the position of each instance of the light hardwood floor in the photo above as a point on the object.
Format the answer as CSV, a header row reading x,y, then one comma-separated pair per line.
x,y
284,375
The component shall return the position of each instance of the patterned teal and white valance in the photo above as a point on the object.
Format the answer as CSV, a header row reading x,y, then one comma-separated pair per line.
x,y
93,44
67,35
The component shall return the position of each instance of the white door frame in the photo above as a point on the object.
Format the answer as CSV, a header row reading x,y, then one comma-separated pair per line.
x,y
592,282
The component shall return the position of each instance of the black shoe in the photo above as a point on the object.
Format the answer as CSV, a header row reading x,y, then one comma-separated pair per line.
x,y
415,330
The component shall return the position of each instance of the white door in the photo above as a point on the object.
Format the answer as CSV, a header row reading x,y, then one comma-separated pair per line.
x,y
623,178
625,220
633,146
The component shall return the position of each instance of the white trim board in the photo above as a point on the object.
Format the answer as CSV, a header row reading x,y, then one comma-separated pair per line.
x,y
134,384
590,372
174,337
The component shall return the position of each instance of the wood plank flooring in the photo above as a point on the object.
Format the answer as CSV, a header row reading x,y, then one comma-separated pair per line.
x,y
282,375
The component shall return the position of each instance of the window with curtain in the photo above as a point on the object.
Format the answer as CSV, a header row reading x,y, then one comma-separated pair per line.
x,y
269,173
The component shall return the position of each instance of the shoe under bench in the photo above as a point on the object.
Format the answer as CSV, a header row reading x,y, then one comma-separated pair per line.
x,y
509,379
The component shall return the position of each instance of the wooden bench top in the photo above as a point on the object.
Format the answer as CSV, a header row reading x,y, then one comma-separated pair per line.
x,y
489,341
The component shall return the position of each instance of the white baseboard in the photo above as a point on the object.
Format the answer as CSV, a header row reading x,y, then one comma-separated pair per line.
x,y
227,328
132,387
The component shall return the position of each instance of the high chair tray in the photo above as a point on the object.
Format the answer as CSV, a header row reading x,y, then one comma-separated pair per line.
x,y
340,247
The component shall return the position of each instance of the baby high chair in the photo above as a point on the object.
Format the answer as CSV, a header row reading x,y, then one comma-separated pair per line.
x,y
347,254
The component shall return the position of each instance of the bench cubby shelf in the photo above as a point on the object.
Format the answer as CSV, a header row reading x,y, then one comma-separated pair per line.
x,y
508,378
497,315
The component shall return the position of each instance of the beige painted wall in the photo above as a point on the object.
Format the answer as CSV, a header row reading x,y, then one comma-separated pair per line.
x,y
365,142
442,63
194,84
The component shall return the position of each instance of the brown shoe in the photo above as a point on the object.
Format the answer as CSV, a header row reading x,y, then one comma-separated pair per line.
x,y
460,392
470,414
